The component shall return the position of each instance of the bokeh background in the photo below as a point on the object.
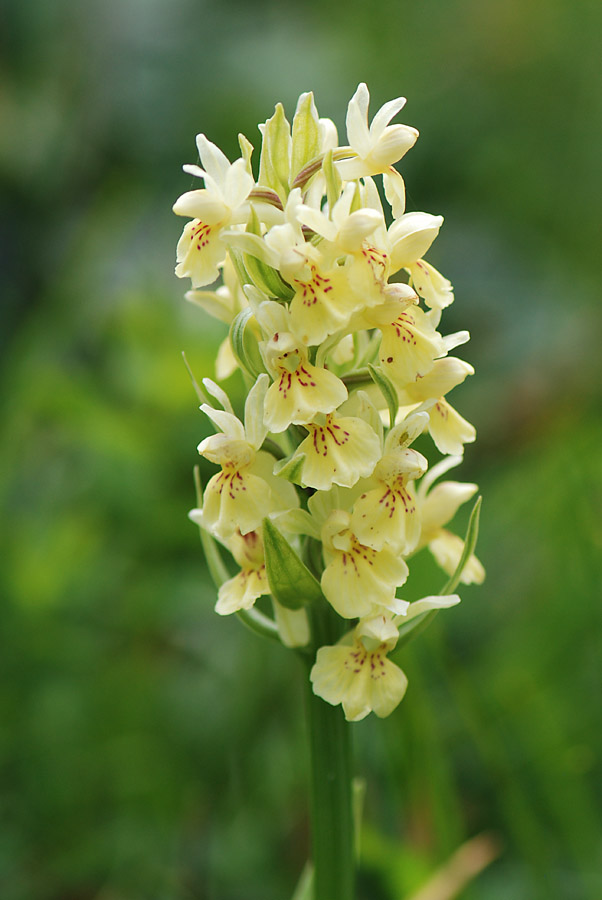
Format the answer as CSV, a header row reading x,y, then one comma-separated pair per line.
x,y
150,750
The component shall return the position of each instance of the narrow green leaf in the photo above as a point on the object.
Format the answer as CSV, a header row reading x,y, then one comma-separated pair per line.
x,y
387,390
197,388
254,619
291,582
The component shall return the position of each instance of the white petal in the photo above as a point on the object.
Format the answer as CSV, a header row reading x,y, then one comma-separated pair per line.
x,y
202,205
238,184
255,427
395,192
218,393
317,221
448,429
215,162
357,227
411,236
451,341
384,116
226,422
443,601
431,285
357,120
444,375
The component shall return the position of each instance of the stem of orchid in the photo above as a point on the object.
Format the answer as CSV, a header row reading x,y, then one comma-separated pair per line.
x,y
330,781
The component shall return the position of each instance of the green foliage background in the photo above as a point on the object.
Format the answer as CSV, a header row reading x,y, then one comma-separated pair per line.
x,y
150,750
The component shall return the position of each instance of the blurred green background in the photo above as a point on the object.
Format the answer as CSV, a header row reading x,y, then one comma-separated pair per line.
x,y
150,750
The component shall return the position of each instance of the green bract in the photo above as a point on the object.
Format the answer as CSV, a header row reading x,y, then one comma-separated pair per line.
x,y
291,582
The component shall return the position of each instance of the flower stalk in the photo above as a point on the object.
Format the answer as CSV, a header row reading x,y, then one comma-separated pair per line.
x,y
330,763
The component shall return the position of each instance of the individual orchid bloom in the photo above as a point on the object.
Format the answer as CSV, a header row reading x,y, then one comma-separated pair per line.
x,y
338,450
323,302
300,389
438,505
356,672
359,677
410,237
241,591
385,516
219,204
358,579
379,145
436,291
240,496
409,346
448,429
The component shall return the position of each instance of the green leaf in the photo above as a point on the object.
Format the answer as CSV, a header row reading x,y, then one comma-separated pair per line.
x,y
291,582
387,390
244,343
306,138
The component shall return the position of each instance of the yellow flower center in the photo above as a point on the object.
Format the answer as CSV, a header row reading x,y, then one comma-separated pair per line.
x,y
311,290
201,233
323,434
371,660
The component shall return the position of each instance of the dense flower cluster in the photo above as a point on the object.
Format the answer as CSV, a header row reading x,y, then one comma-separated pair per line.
x,y
334,318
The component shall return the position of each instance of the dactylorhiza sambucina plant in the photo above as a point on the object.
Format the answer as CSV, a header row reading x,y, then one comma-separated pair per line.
x,y
320,497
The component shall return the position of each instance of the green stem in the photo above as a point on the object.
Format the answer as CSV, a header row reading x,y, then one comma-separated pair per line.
x,y
330,782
